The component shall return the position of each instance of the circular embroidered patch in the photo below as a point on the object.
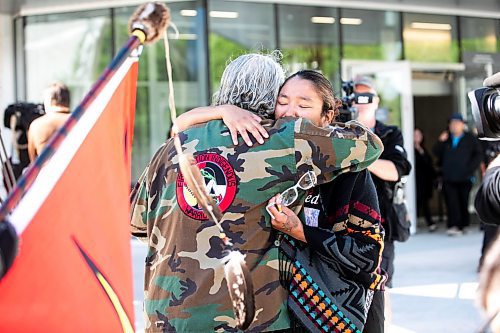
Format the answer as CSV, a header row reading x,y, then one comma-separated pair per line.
x,y
220,181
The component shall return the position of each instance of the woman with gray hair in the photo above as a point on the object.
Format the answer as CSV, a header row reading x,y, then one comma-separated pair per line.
x,y
252,82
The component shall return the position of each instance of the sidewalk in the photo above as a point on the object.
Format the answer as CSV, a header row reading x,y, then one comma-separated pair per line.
x,y
435,283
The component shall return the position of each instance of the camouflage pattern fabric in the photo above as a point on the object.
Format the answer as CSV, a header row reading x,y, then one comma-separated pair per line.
x,y
184,286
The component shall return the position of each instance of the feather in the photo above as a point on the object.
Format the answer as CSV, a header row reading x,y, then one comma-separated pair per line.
x,y
239,281
152,19
240,286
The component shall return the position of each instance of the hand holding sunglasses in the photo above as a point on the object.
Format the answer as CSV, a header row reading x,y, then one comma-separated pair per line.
x,y
288,196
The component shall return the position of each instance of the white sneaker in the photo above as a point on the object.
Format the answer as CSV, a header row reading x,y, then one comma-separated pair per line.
x,y
454,231
432,228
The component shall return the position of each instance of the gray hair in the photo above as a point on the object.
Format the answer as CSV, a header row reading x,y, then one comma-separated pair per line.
x,y
252,82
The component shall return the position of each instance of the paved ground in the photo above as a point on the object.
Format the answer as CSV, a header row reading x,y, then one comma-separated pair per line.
x,y
434,285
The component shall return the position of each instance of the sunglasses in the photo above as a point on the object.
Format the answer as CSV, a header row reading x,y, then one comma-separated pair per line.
x,y
364,98
288,196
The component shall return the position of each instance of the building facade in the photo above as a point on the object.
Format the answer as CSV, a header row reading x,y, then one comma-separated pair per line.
x,y
423,55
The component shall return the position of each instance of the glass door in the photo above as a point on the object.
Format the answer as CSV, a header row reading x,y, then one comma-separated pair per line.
x,y
393,83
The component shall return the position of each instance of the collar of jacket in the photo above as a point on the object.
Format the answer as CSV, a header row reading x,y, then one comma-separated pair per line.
x,y
382,130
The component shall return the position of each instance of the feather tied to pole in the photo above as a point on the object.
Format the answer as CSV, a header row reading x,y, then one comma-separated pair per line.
x,y
238,278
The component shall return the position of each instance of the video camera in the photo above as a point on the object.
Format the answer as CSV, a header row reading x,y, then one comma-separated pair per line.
x,y
18,117
485,104
24,114
348,111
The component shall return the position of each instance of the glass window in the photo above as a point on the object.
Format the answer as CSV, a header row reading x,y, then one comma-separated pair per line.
x,y
308,37
368,34
189,71
479,34
73,48
430,38
236,28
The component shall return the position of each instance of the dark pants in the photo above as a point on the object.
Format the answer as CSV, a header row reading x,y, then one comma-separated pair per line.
x,y
375,319
424,208
387,263
456,196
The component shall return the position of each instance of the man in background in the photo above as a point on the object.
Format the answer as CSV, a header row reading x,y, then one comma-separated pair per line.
x,y
459,155
388,169
56,102
386,172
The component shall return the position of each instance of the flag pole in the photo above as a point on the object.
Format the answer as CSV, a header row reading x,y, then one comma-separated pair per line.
x,y
147,24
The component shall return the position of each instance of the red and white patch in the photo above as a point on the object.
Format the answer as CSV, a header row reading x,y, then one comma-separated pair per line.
x,y
220,181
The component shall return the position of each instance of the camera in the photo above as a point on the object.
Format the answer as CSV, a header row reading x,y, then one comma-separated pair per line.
x,y
348,111
18,117
491,150
485,104
24,114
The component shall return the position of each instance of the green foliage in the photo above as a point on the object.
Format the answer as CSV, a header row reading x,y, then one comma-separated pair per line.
x,y
140,147
480,45
366,51
432,51
323,58
103,54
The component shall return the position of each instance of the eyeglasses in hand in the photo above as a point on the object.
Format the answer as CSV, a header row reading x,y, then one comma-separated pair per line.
x,y
288,196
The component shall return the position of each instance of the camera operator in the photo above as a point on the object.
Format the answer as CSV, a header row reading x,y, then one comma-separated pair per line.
x,y
388,169
361,103
488,196
485,104
490,231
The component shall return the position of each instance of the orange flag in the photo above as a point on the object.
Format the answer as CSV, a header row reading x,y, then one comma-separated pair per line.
x,y
73,272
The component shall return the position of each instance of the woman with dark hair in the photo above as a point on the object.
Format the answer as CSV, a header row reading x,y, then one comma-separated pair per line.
x,y
425,176
331,253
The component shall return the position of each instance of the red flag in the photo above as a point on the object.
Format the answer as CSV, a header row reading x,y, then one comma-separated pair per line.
x,y
73,272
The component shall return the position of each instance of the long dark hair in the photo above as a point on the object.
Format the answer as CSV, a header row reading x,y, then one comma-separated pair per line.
x,y
324,89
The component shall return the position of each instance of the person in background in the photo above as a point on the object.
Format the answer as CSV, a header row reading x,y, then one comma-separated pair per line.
x,y
388,169
386,172
56,103
487,205
424,176
490,231
459,155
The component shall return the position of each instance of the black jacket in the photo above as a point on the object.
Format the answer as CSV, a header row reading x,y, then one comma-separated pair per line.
x,y
488,197
337,208
393,151
458,164
424,174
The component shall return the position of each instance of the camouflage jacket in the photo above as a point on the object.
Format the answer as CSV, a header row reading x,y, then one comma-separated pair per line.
x,y
184,286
